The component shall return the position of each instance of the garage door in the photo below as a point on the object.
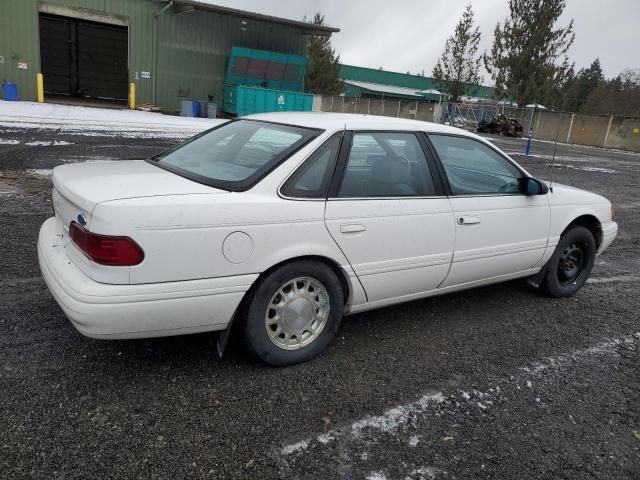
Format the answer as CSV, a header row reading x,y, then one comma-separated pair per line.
x,y
82,58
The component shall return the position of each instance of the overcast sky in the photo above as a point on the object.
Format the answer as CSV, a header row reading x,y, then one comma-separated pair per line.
x,y
403,35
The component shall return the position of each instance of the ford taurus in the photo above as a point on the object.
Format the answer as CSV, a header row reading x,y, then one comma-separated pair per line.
x,y
282,223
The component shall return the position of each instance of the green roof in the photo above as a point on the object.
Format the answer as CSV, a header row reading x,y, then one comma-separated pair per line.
x,y
384,77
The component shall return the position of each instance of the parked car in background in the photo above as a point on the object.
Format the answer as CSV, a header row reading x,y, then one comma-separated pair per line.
x,y
282,223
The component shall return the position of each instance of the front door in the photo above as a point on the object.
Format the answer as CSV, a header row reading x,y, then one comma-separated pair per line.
x,y
499,229
388,214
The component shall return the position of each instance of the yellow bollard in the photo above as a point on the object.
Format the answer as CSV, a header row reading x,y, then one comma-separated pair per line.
x,y
40,87
132,96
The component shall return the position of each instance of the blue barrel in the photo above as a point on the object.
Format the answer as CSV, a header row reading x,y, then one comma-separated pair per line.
x,y
10,91
195,106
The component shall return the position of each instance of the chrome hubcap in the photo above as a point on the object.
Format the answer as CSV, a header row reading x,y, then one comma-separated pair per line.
x,y
297,313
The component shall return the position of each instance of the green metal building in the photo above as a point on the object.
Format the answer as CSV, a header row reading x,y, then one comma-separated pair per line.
x,y
169,49
369,82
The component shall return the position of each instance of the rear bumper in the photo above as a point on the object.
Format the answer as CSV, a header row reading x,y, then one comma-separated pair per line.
x,y
609,232
136,311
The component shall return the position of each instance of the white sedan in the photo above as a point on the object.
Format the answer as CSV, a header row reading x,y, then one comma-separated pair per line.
x,y
282,223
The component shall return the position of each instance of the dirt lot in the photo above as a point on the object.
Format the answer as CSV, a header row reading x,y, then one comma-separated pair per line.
x,y
497,382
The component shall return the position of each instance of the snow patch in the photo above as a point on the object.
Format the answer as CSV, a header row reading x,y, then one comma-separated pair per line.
x,y
9,142
376,476
394,418
295,447
617,278
41,172
401,420
422,473
92,121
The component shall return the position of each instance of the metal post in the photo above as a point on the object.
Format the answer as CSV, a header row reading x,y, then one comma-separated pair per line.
x,y
606,137
132,96
573,116
40,86
399,103
529,142
369,107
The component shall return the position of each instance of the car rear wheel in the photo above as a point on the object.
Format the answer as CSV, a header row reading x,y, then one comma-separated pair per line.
x,y
571,263
293,313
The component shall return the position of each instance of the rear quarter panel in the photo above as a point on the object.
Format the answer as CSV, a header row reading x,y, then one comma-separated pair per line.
x,y
183,237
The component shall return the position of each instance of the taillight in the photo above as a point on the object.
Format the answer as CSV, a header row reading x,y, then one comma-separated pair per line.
x,y
106,249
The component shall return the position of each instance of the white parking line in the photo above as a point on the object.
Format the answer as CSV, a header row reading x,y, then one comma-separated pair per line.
x,y
399,421
618,278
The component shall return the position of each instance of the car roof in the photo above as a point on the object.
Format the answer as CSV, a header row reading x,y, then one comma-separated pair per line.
x,y
354,121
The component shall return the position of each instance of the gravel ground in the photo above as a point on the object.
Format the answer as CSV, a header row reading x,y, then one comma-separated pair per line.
x,y
496,382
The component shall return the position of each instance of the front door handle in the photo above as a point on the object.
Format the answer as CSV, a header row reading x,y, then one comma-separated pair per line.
x,y
352,228
468,220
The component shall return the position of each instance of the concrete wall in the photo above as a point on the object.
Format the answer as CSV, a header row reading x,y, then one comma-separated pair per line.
x,y
624,133
596,130
377,106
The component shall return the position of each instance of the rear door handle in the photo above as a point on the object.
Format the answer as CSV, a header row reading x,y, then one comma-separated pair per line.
x,y
352,228
468,220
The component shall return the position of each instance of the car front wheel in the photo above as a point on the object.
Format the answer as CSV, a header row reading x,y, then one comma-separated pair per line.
x,y
571,263
293,313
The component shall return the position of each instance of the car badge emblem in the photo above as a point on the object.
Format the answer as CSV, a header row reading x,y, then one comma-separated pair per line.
x,y
82,220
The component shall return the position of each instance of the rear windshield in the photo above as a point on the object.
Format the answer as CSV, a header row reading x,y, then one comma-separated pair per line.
x,y
235,155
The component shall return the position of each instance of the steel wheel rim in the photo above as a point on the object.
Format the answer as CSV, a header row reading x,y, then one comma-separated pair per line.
x,y
572,263
297,313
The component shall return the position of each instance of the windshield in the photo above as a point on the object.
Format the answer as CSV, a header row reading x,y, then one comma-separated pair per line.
x,y
235,155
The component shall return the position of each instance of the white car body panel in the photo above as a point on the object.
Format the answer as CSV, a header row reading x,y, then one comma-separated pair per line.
x,y
205,247
397,247
507,233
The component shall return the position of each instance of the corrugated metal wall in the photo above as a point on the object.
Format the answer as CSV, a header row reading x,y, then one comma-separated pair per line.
x,y
192,48
363,74
19,43
195,48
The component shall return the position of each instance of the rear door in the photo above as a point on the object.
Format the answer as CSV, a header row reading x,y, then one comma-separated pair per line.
x,y
387,212
499,229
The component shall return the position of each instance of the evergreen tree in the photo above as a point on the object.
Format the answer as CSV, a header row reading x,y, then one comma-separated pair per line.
x,y
322,74
458,69
528,60
585,82
618,96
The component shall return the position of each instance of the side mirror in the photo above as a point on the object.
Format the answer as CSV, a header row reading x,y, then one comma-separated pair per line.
x,y
531,186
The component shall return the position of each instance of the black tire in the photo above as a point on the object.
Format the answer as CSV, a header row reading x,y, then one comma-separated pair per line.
x,y
253,321
562,281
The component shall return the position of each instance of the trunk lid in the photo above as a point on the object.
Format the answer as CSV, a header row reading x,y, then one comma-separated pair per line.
x,y
78,188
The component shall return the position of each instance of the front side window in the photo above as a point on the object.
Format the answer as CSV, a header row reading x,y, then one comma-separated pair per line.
x,y
236,154
386,164
473,167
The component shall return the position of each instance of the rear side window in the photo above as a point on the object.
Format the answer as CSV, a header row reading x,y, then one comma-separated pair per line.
x,y
237,154
386,164
311,180
473,167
